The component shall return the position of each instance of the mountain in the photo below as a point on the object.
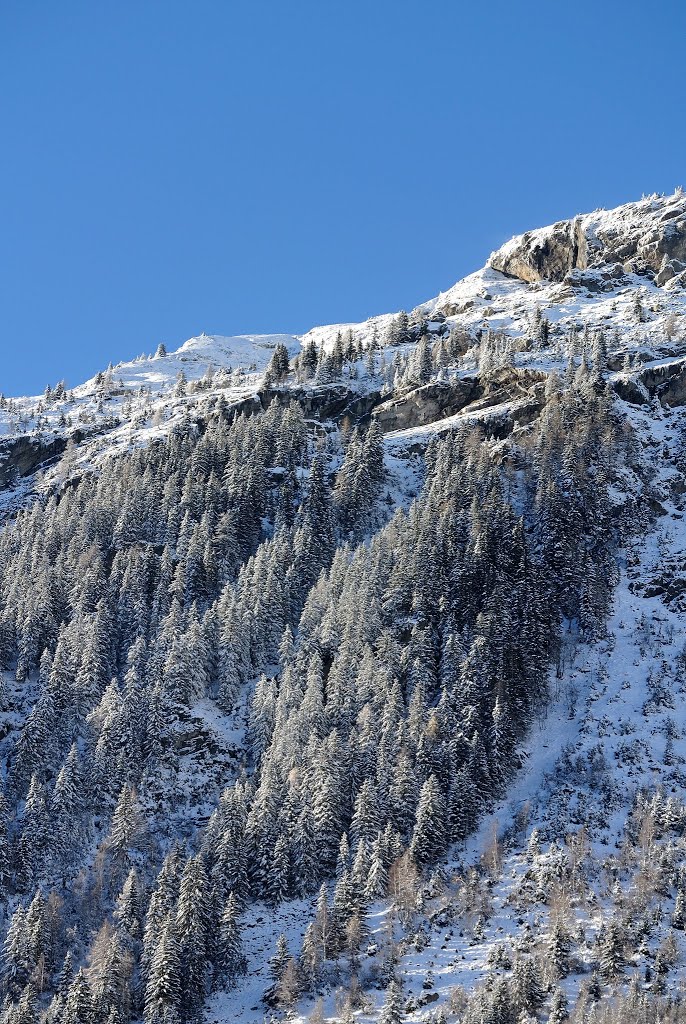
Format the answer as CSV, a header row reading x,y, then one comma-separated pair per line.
x,y
343,674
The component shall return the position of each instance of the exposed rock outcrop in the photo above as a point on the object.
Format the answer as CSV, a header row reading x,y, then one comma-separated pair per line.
x,y
320,403
437,401
24,455
667,382
646,238
549,254
427,404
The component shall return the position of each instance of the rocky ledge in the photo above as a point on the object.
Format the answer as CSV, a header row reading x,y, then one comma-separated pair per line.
x,y
647,238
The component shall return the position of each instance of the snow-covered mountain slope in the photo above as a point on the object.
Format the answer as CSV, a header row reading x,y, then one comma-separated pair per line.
x,y
637,248
147,383
591,832
267,578
597,811
616,279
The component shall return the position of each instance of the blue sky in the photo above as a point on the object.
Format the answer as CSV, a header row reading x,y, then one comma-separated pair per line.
x,y
232,166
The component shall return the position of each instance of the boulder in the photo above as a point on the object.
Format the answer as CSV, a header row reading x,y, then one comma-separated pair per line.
x,y
630,389
669,269
667,382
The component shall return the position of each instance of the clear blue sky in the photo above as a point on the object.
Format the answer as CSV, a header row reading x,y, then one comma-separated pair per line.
x,y
263,165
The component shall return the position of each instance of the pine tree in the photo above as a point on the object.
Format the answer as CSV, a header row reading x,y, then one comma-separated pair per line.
x,y
160,907
559,949
66,975
193,932
595,989
163,989
558,1008
277,881
429,836
527,989
127,912
126,823
277,968
38,933
231,960
423,361
278,368
25,1012
611,951
17,959
34,834
392,1012
65,809
376,883
78,1006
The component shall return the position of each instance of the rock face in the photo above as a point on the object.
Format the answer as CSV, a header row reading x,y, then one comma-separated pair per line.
x,y
323,403
646,238
23,456
548,254
667,382
522,389
426,404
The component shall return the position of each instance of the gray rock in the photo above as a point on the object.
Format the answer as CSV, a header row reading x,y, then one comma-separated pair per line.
x,y
437,401
549,256
650,244
427,404
669,269
667,382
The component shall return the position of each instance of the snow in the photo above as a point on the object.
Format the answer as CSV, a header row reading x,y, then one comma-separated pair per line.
x,y
598,703
260,928
601,699
140,402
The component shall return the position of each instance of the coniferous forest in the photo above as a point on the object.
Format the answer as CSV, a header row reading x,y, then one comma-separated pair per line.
x,y
329,679
387,682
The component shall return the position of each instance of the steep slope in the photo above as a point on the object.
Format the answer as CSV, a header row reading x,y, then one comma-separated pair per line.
x,y
382,650
618,282
590,834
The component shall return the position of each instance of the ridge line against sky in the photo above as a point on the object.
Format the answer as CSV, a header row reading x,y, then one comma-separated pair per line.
x,y
252,168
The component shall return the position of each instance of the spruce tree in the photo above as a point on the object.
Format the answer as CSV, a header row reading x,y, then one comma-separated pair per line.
x,y
429,836
163,988
231,960
392,1011
78,1006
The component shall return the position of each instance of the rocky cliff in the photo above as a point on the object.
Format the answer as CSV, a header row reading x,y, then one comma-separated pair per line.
x,y
647,238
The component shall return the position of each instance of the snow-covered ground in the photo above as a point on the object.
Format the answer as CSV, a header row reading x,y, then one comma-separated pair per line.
x,y
140,400
603,711
614,704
